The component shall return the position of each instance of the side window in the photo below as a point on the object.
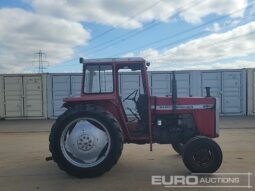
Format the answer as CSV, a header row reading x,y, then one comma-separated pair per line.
x,y
98,79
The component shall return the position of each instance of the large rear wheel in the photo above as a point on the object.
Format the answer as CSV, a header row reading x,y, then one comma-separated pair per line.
x,y
202,155
86,141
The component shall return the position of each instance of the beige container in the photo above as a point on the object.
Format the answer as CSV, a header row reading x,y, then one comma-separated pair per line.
x,y
24,96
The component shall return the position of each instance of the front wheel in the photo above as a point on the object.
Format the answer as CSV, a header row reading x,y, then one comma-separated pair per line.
x,y
178,147
86,142
202,155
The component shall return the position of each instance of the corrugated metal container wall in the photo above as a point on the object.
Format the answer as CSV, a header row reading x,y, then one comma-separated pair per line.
x,y
1,97
24,96
160,83
229,86
251,91
61,86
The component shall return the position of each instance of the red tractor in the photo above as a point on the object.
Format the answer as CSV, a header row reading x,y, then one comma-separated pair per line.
x,y
87,139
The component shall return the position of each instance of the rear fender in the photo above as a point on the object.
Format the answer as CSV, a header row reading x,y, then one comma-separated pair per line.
x,y
109,106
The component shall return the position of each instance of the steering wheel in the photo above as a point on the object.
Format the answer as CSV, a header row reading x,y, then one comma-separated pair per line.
x,y
128,97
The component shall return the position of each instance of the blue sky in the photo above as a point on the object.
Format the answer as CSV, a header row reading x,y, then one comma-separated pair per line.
x,y
171,35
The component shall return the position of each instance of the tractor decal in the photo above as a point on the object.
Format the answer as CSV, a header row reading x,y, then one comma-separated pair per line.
x,y
170,107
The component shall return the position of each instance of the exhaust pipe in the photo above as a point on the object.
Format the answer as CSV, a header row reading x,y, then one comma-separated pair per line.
x,y
208,91
174,91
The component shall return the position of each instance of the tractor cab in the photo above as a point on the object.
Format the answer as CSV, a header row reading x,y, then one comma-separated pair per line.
x,y
125,81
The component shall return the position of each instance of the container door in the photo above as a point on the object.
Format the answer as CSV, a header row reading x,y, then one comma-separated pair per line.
x,y
60,90
160,84
232,97
13,96
33,98
213,80
182,84
76,86
129,83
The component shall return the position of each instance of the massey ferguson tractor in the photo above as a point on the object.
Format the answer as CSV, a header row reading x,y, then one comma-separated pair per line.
x,y
87,139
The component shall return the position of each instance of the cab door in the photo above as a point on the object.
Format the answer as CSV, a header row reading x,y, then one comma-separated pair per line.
x,y
133,99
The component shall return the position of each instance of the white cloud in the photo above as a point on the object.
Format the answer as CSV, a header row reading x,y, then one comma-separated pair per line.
x,y
224,7
206,51
22,33
236,64
116,12
55,27
215,27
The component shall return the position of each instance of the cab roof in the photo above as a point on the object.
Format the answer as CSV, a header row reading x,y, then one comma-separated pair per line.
x,y
112,60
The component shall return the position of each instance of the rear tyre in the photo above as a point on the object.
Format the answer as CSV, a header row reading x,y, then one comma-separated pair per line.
x,y
202,155
86,141
178,147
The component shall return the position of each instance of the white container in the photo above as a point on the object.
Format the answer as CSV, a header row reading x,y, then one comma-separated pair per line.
x,y
61,86
161,83
229,86
1,97
24,96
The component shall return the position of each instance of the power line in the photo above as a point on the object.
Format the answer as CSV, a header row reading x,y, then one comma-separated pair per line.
x,y
147,27
128,19
120,40
183,32
214,44
174,35
182,40
219,42
152,25
111,29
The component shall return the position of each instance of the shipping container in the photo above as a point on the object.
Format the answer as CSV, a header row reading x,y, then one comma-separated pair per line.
x,y
24,96
161,83
1,97
61,86
229,86
251,91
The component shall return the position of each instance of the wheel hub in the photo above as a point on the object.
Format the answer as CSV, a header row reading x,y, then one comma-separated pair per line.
x,y
85,142
203,156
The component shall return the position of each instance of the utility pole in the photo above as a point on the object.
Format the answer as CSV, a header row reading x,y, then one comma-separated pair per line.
x,y
41,60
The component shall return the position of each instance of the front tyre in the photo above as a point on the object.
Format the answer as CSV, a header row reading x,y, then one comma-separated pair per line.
x,y
86,141
202,155
178,147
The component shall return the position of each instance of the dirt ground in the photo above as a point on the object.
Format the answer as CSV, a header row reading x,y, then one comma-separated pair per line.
x,y
24,146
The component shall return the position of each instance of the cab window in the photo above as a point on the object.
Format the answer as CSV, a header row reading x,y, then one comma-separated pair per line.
x,y
98,79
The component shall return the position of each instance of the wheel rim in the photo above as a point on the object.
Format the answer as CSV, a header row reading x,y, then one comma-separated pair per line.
x,y
203,157
85,142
